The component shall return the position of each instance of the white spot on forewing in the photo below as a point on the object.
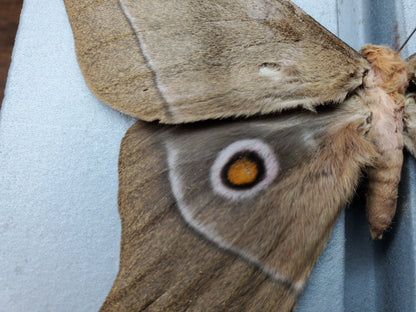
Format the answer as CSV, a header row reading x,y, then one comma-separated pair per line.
x,y
207,231
145,51
272,73
255,145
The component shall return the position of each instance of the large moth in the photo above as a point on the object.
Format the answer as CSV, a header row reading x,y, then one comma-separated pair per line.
x,y
229,199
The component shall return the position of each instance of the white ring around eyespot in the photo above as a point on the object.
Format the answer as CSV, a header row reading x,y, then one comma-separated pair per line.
x,y
271,168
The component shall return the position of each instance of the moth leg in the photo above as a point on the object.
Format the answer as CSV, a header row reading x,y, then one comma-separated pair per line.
x,y
409,123
365,127
409,118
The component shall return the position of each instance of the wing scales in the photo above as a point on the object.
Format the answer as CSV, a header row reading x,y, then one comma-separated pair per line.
x,y
183,61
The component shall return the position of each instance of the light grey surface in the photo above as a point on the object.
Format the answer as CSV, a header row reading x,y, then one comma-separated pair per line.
x,y
59,224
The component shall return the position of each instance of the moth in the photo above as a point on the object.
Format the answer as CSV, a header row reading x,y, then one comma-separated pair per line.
x,y
250,143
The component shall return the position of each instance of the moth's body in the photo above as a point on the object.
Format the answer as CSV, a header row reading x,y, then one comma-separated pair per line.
x,y
231,215
384,89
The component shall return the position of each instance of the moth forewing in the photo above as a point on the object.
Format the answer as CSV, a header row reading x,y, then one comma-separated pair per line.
x,y
183,61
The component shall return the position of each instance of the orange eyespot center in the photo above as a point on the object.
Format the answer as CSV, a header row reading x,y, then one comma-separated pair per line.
x,y
242,171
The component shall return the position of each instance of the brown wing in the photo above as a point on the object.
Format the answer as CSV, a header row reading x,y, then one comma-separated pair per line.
x,y
164,264
180,61
188,247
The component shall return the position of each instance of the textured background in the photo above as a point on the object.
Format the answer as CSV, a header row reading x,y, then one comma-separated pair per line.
x,y
59,225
